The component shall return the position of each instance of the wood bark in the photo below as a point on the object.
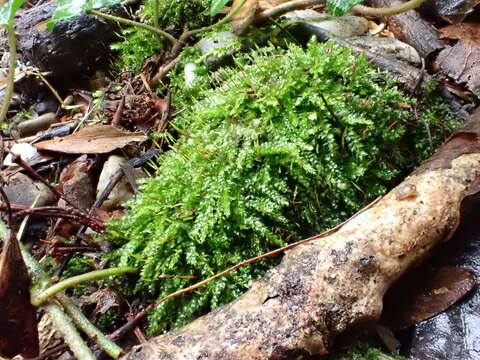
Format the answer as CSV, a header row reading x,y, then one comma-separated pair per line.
x,y
410,28
329,285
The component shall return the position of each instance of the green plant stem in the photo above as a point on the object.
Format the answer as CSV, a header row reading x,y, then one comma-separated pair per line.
x,y
226,19
382,12
134,23
70,333
57,315
88,328
39,299
42,281
12,43
155,14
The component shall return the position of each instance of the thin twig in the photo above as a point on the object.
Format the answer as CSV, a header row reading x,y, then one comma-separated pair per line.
x,y
134,23
42,297
181,42
17,159
117,117
50,86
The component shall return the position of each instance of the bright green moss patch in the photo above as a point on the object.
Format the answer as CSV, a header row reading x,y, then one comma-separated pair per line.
x,y
291,143
191,14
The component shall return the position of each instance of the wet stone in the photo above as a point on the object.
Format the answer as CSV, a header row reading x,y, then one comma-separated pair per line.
x,y
454,334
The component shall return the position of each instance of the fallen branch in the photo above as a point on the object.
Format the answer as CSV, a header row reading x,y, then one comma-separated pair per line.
x,y
329,285
242,22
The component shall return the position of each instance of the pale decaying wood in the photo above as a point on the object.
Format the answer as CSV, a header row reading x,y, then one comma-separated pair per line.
x,y
326,286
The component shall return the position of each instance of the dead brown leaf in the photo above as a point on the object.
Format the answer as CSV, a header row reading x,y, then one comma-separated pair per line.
x,y
465,31
423,295
246,16
18,323
98,139
461,62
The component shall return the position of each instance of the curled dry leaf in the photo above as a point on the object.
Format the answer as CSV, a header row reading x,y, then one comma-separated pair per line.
x,y
98,139
424,294
18,323
466,30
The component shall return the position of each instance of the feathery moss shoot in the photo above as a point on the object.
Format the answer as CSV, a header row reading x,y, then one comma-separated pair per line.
x,y
291,143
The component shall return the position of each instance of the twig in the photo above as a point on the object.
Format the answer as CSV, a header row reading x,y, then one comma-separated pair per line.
x,y
180,43
164,69
329,108
162,124
383,12
8,206
155,14
50,86
70,213
70,333
284,8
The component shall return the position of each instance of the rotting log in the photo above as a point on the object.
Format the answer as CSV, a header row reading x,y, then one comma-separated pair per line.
x,y
327,286
410,28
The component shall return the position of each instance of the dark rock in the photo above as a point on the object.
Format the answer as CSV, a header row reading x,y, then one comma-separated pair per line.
x,y
22,190
342,26
32,126
73,49
225,44
452,11
49,105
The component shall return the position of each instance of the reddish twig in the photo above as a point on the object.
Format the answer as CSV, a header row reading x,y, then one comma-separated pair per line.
x,y
117,117
7,205
162,124
55,211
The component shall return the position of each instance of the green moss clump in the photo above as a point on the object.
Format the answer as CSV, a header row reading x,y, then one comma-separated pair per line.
x,y
191,14
136,46
292,142
366,351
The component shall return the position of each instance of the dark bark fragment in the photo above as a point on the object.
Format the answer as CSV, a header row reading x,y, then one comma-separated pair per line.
x,y
461,62
410,28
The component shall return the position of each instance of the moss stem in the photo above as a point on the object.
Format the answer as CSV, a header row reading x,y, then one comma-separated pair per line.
x,y
70,333
88,328
61,320
383,12
40,298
